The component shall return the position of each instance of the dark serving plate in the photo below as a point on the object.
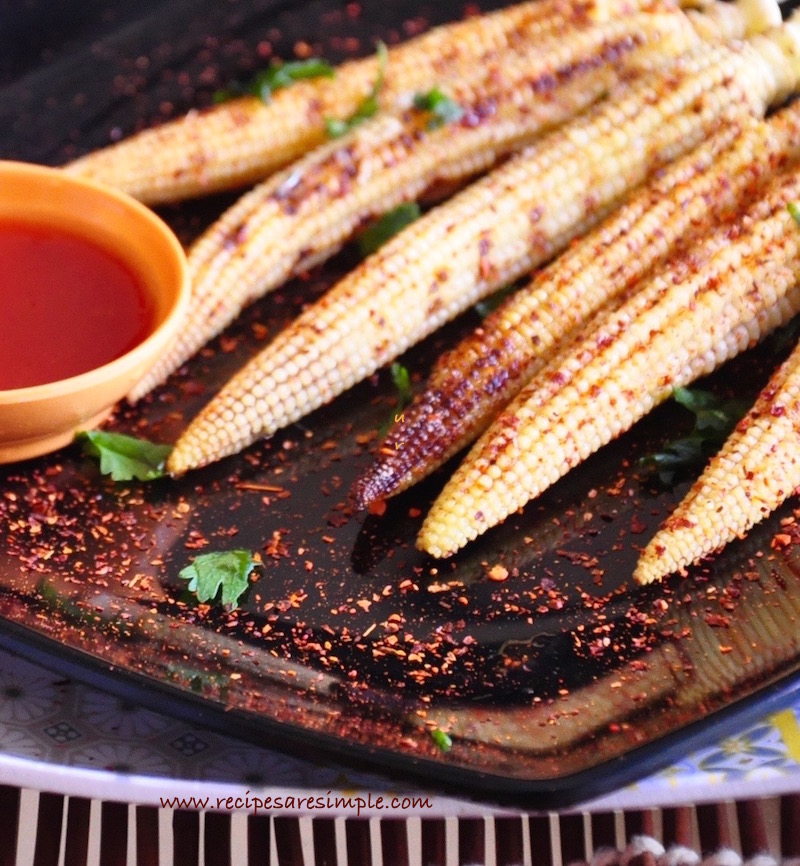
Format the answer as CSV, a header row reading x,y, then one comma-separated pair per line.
x,y
554,684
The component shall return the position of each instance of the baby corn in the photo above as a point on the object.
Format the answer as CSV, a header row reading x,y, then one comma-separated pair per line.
x,y
302,215
494,231
470,384
245,139
756,471
693,314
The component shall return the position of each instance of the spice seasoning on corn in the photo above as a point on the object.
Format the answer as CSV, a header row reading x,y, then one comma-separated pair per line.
x,y
245,139
471,383
697,311
755,472
494,231
303,215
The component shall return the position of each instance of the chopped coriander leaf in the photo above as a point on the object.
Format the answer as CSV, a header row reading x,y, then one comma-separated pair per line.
x,y
390,224
402,381
782,340
493,301
225,94
714,419
677,456
284,74
441,107
278,76
337,128
369,107
235,90
227,570
125,457
794,210
711,412
441,739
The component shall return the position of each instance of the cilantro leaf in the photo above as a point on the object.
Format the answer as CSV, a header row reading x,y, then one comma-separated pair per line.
x,y
794,209
276,77
335,127
710,411
228,570
441,739
493,301
390,224
402,381
441,107
283,75
125,457
714,419
677,456
782,340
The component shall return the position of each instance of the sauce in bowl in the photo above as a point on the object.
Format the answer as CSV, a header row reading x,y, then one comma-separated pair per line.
x,y
67,305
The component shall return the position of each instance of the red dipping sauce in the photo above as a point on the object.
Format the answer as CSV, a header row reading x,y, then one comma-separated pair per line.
x,y
66,305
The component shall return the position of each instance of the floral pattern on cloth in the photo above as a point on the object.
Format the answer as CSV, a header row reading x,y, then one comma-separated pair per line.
x,y
759,749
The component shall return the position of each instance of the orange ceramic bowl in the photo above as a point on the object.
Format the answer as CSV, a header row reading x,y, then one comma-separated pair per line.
x,y
41,418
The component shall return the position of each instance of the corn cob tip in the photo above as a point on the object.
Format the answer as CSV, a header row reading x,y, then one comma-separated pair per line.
x,y
433,549
177,465
714,20
753,474
413,448
780,47
674,547
384,477
759,15
788,38
653,568
734,288
371,486
208,438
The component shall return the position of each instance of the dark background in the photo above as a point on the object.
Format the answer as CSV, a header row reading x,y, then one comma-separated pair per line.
x,y
75,76
37,32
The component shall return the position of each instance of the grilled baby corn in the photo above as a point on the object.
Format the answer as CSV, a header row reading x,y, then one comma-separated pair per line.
x,y
471,384
304,214
245,139
693,314
494,231
756,471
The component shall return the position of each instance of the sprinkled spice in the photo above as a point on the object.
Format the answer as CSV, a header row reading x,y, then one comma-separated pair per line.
x,y
344,627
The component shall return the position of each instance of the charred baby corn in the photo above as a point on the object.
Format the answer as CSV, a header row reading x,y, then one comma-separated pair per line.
x,y
470,384
494,231
693,314
305,213
245,139
755,472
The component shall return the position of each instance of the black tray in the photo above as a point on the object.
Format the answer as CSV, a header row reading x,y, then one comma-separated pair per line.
x,y
554,685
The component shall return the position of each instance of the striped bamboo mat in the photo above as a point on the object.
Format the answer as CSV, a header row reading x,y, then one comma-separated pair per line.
x,y
41,829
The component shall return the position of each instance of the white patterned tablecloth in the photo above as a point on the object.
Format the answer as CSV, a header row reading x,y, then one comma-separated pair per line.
x,y
61,735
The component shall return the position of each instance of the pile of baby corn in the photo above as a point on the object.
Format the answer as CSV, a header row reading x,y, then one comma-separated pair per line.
x,y
612,154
